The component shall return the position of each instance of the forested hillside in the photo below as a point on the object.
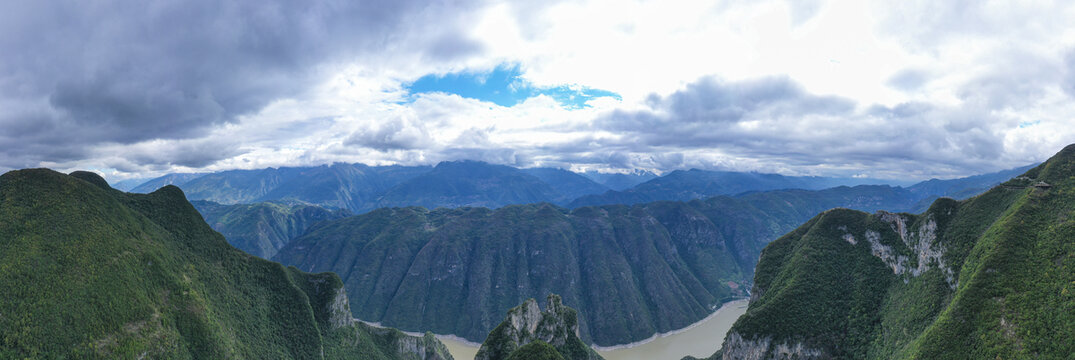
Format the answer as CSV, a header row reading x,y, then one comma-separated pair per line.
x,y
91,272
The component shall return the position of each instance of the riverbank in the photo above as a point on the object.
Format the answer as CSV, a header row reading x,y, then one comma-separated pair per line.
x,y
460,348
700,339
723,308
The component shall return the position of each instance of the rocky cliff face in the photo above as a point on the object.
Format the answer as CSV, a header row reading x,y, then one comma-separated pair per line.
x,y
557,326
737,348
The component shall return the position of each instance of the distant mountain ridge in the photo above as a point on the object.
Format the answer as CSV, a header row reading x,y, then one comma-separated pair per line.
x,y
361,188
683,185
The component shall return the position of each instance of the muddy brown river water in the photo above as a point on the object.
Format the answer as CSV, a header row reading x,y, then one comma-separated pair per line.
x,y
701,339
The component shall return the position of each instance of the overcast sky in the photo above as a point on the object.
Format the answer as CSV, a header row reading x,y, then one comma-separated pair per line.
x,y
887,89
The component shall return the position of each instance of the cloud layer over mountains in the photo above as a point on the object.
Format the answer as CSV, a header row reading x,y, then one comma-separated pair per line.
x,y
841,88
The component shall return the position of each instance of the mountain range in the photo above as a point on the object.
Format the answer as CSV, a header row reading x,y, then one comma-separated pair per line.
x,y
992,276
360,188
91,272
685,185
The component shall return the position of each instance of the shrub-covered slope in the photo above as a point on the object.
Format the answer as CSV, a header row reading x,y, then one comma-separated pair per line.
x,y
90,272
989,277
260,229
530,333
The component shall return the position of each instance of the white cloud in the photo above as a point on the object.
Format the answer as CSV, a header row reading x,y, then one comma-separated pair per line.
x,y
909,88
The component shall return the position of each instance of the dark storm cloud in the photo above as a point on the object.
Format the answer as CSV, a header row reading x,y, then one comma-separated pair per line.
x,y
775,120
709,109
78,74
1016,80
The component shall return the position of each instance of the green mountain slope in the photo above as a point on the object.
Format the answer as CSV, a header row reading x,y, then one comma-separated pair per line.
x,y
261,229
530,333
989,277
90,272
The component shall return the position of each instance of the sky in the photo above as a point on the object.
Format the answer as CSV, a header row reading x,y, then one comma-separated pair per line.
x,y
904,90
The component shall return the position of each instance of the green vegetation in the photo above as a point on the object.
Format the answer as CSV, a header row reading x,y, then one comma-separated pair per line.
x,y
538,350
989,277
529,333
261,229
90,272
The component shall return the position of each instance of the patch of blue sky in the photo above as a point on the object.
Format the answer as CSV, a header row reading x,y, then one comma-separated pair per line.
x,y
504,86
1026,124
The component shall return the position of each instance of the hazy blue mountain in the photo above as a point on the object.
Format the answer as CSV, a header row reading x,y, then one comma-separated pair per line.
x,y
682,185
620,181
239,186
348,186
361,188
568,184
159,182
696,184
128,184
469,183
963,188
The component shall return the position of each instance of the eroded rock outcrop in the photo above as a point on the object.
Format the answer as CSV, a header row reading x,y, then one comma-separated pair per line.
x,y
737,348
557,326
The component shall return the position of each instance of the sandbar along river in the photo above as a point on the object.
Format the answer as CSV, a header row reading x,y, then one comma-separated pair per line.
x,y
701,339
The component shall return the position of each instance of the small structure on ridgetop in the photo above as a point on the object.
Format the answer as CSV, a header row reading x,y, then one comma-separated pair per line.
x,y
1042,185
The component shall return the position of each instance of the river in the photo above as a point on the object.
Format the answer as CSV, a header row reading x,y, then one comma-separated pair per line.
x,y
700,339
